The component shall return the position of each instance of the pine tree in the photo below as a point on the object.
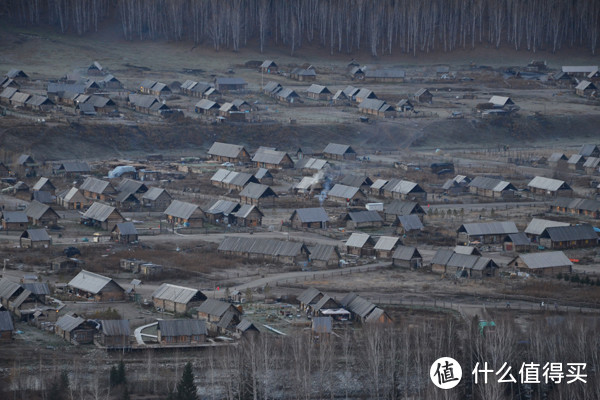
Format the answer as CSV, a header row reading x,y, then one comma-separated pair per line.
x,y
186,388
121,373
114,376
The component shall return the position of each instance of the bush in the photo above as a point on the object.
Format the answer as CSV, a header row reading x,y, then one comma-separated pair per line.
x,y
575,279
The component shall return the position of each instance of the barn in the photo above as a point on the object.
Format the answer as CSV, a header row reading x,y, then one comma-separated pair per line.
x,y
176,299
309,218
102,216
407,257
184,214
96,287
543,264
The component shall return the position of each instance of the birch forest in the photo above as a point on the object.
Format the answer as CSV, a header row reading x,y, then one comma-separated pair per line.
x,y
341,26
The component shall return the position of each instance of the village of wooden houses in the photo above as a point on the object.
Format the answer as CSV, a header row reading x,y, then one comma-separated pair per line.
x,y
157,252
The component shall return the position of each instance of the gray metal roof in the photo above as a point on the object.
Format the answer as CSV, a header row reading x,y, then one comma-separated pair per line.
x,y
40,183
36,235
399,207
220,175
410,222
489,228
304,72
131,186
356,180
545,259
270,156
8,92
126,228
307,215
90,282
583,85
318,89
6,322
182,327
310,163
343,191
500,101
350,91
519,239
226,320
375,104
466,250
268,63
37,100
386,243
245,210
323,252
68,323
375,315
365,93
37,288
554,157
364,216
402,187
577,204
257,191
591,162
214,307
360,306
115,327
338,149
36,210
583,69
14,217
570,233
95,185
66,87
224,207
322,324
8,288
308,295
225,150
287,93
271,87
358,239
406,253
177,294
154,193
245,324
181,209
576,159
493,184
100,212
379,183
539,182
268,247
262,173
466,261
588,150
442,256
206,104
538,225
21,298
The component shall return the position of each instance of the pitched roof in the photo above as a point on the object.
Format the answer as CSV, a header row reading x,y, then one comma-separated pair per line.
x,y
546,259
36,235
206,104
245,210
6,322
322,324
500,101
269,156
126,228
257,191
154,193
537,225
177,294
308,215
576,159
37,288
488,228
364,216
555,157
570,233
343,191
310,163
338,149
225,150
358,239
287,92
539,182
384,73
267,64
386,243
496,185
410,222
588,150
224,207
68,323
442,256
95,185
399,207
214,307
181,209
318,89
100,212
262,173
360,306
269,247
230,81
406,253
272,87
8,288
519,239
308,295
18,217
115,327
36,210
583,85
75,166
245,324
90,282
182,327
355,180
323,252
402,186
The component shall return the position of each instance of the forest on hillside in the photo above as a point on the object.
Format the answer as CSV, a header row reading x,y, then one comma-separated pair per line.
x,y
341,26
